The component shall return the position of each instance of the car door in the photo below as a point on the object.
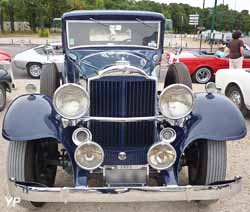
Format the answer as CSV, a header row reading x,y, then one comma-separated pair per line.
x,y
246,63
221,63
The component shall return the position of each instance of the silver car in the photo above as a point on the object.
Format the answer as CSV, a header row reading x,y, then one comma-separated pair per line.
x,y
32,59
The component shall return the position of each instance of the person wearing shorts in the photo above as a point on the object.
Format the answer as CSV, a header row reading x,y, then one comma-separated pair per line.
x,y
236,51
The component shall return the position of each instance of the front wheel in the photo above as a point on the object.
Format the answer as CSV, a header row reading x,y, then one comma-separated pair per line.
x,y
235,95
202,75
207,161
28,161
34,70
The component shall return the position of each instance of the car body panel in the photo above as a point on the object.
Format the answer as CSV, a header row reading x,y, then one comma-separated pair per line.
x,y
24,58
37,110
5,78
4,56
202,125
240,77
195,60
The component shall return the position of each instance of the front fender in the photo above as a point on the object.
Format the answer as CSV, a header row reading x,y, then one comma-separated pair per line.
x,y
5,78
214,117
31,117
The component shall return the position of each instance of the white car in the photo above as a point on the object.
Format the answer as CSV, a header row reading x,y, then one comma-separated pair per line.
x,y
32,59
234,83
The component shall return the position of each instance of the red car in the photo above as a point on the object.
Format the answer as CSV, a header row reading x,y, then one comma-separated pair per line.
x,y
202,65
4,56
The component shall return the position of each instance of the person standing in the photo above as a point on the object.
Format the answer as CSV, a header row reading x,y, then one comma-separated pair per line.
x,y
236,51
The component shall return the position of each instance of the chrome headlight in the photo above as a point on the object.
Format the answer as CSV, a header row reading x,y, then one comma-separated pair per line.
x,y
89,155
176,101
161,156
71,101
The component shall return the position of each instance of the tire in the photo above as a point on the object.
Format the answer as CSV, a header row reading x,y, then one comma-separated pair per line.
x,y
34,70
178,73
50,80
202,75
234,93
2,97
23,165
207,161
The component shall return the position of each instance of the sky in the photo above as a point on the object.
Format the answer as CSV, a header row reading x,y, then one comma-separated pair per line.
x,y
233,4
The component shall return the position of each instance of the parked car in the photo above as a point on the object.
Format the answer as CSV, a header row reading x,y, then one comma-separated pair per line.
x,y
6,83
203,65
120,139
4,56
32,59
234,83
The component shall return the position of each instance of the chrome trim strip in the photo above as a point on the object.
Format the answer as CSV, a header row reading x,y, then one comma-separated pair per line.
x,y
122,70
124,194
122,119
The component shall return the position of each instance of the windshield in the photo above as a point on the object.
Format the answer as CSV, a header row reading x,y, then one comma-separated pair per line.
x,y
113,33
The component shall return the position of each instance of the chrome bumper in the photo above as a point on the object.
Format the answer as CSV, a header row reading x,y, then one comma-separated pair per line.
x,y
124,194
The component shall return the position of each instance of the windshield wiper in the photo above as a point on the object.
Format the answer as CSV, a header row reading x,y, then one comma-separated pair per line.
x,y
99,22
141,21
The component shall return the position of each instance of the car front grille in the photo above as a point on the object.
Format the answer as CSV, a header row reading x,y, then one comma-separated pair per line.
x,y
120,96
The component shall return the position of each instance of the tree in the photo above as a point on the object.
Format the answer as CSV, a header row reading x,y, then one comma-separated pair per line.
x,y
8,5
100,4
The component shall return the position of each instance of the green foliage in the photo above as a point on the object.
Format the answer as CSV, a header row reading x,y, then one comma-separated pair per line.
x,y
44,33
41,12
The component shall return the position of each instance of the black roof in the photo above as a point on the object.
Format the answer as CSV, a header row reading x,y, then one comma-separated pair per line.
x,y
113,15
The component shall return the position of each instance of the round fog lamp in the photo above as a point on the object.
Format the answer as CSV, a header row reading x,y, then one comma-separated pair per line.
x,y
81,135
168,135
89,155
161,156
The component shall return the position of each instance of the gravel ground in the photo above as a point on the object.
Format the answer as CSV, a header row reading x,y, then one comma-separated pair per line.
x,y
238,164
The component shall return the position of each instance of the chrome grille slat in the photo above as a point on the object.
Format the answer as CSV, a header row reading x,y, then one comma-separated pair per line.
x,y
121,96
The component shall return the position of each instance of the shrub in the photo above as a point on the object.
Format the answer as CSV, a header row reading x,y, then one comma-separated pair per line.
x,y
44,33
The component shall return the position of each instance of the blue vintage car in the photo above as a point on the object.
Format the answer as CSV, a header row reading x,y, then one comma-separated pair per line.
x,y
5,86
105,122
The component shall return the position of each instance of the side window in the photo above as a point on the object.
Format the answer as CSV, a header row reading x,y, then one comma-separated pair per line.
x,y
40,51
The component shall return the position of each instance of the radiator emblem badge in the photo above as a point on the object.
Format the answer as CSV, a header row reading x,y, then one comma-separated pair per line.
x,y
122,156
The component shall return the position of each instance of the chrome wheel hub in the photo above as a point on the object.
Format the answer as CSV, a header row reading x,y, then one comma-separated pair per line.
x,y
236,98
203,75
35,70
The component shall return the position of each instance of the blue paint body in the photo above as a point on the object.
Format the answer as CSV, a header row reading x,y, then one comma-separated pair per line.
x,y
37,119
5,79
32,117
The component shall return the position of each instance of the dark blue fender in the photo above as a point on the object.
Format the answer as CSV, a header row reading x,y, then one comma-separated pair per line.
x,y
5,78
214,117
31,117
